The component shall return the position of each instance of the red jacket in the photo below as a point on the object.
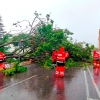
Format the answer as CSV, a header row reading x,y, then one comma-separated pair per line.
x,y
95,54
2,56
54,55
62,55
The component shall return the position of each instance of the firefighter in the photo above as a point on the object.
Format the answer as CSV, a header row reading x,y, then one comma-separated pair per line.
x,y
2,57
95,59
61,58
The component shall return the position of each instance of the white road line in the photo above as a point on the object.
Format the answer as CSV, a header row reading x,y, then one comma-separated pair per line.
x,y
87,89
86,84
18,82
97,90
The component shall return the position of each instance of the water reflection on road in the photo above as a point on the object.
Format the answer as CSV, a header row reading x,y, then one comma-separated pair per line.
x,y
96,75
59,89
2,76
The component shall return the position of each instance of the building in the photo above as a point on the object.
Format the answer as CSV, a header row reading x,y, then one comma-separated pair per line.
x,y
99,40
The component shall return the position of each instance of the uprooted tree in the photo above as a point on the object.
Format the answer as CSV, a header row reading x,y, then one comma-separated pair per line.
x,y
39,40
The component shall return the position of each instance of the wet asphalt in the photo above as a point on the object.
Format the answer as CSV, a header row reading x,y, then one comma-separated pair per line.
x,y
41,84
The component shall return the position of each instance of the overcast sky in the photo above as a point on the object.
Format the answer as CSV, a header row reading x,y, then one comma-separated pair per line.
x,y
82,17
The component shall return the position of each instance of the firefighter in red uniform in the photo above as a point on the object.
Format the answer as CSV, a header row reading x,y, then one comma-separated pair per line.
x,y
95,59
2,56
2,59
61,58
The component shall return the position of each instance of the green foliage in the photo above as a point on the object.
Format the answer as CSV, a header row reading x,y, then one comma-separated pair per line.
x,y
56,38
78,52
15,68
51,38
28,55
10,60
21,69
9,71
6,38
47,63
15,65
71,63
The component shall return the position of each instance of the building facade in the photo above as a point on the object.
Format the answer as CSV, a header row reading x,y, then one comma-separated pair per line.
x,y
99,40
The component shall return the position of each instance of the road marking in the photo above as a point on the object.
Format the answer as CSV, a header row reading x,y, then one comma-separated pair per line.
x,y
86,84
97,90
87,89
18,82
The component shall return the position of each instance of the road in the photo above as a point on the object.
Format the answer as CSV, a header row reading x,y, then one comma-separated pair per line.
x,y
41,84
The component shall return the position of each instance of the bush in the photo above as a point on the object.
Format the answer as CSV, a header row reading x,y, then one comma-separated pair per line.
x,y
10,60
21,69
9,71
46,63
18,68
71,63
15,64
14,69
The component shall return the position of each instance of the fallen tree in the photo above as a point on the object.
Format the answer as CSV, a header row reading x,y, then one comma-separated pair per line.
x,y
42,38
